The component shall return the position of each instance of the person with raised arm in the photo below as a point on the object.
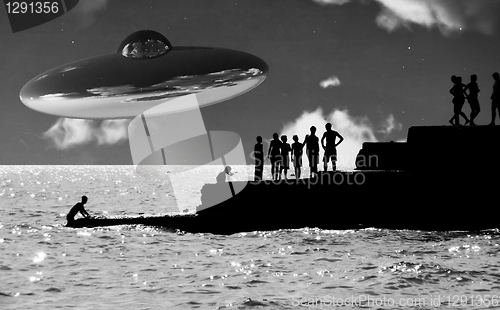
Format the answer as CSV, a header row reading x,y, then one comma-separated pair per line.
x,y
331,146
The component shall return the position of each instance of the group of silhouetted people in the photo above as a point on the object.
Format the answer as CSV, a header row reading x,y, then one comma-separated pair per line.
x,y
280,153
470,92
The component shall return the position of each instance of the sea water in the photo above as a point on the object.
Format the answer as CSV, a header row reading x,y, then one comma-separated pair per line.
x,y
44,265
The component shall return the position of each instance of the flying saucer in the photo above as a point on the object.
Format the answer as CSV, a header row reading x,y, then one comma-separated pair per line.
x,y
161,88
145,71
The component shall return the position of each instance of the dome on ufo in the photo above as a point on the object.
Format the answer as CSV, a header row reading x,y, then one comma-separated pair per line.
x,y
144,44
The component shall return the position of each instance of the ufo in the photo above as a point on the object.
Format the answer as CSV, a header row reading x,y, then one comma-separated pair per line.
x,y
145,72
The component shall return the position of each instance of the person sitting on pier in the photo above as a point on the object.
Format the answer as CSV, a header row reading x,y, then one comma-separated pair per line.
x,y
495,98
458,92
274,154
78,207
258,155
331,147
221,177
473,89
297,155
312,151
285,156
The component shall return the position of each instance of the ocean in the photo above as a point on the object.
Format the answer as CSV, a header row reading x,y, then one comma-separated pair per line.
x,y
45,265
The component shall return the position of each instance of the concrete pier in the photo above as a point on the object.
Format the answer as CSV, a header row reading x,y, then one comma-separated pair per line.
x,y
443,178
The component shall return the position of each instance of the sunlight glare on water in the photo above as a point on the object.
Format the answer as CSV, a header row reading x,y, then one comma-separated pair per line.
x,y
44,265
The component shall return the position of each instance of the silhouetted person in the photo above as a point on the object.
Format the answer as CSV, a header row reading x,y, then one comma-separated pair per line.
x,y
331,147
312,151
274,153
458,92
258,154
285,155
221,177
212,194
473,89
297,155
79,207
495,98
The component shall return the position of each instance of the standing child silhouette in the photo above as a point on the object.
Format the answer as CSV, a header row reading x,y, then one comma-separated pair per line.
x,y
285,156
258,154
495,98
274,154
458,92
473,89
312,151
297,155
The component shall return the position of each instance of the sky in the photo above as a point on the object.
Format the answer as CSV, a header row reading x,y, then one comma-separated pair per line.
x,y
372,68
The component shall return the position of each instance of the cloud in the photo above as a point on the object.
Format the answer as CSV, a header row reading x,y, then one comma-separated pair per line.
x,y
355,131
403,13
67,132
447,15
88,9
327,2
330,82
112,131
390,124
